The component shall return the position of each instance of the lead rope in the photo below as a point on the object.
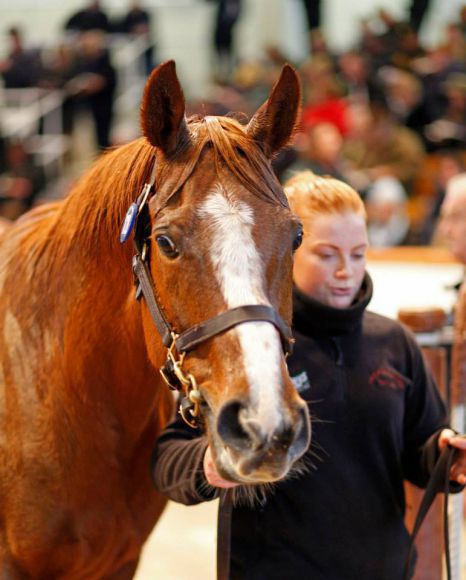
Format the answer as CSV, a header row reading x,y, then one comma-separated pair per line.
x,y
446,533
224,534
439,478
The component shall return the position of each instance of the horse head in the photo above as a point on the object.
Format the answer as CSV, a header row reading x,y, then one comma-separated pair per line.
x,y
215,240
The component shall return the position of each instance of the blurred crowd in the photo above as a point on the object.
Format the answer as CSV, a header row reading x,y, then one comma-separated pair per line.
x,y
387,116
80,66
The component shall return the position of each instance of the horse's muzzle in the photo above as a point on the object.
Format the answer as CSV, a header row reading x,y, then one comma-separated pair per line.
x,y
251,455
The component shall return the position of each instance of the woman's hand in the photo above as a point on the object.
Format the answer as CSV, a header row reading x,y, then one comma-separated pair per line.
x,y
458,468
212,474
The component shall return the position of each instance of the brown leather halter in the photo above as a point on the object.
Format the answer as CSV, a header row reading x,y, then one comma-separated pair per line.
x,y
179,344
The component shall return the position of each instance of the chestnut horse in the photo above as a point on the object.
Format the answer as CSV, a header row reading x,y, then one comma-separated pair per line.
x,y
209,239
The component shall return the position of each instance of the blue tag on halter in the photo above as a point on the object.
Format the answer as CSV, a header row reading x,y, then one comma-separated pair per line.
x,y
128,223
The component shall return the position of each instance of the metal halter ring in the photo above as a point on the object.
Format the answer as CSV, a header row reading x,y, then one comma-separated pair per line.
x,y
173,374
189,409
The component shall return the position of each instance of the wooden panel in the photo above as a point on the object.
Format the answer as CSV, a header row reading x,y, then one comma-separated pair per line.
x,y
429,542
422,254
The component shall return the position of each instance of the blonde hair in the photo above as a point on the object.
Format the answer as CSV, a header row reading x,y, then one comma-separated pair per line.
x,y
311,195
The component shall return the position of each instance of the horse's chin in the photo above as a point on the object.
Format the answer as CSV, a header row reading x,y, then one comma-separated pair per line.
x,y
250,469
253,495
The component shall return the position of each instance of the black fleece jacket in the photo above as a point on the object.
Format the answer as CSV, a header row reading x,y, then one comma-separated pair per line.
x,y
376,416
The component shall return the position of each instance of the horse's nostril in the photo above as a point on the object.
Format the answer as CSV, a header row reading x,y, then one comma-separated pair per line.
x,y
284,438
302,434
238,429
229,426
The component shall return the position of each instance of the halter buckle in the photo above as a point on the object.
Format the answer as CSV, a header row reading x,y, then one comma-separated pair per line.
x,y
177,380
190,409
171,371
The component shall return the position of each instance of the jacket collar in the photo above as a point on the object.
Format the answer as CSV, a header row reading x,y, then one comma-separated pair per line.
x,y
311,317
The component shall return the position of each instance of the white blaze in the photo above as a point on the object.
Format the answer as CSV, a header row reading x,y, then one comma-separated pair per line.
x,y
240,272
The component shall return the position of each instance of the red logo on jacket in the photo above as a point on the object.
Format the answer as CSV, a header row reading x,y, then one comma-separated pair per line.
x,y
384,377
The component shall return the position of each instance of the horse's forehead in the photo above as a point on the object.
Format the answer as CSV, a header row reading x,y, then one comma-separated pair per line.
x,y
227,201
222,203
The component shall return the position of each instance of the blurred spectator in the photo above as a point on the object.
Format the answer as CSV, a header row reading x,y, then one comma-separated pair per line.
x,y
20,182
93,83
323,94
91,17
417,12
449,129
253,79
450,164
22,67
2,154
378,146
435,67
462,23
387,217
406,46
453,217
354,71
137,22
388,41
405,98
313,10
455,41
313,13
319,150
58,64
226,17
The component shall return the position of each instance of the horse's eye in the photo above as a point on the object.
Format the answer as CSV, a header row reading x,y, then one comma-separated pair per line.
x,y
298,240
167,246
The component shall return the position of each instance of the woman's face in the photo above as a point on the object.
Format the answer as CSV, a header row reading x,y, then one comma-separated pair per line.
x,y
453,223
330,264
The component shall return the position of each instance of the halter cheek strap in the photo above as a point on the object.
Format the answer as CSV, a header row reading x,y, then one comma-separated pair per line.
x,y
179,344
142,274
199,333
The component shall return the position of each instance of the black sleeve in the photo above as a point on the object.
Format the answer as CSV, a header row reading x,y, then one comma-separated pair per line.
x,y
177,464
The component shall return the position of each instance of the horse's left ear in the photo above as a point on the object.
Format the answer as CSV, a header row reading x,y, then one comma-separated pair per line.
x,y
274,122
163,109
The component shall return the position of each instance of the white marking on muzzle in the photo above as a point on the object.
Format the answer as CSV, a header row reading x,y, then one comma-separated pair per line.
x,y
240,272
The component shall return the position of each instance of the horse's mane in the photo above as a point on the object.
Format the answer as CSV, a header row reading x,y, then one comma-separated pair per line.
x,y
90,217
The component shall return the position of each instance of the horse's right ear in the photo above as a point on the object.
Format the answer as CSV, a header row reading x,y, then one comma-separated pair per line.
x,y
163,108
274,122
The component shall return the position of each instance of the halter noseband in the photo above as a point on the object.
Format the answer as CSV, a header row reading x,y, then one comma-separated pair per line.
x,y
137,218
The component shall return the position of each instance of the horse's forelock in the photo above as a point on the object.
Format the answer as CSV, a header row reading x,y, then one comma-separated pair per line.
x,y
103,195
242,156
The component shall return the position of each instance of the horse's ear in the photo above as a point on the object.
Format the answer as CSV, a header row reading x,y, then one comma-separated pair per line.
x,y
162,109
274,122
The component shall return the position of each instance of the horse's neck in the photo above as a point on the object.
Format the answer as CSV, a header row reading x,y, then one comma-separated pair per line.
x,y
82,299
106,343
